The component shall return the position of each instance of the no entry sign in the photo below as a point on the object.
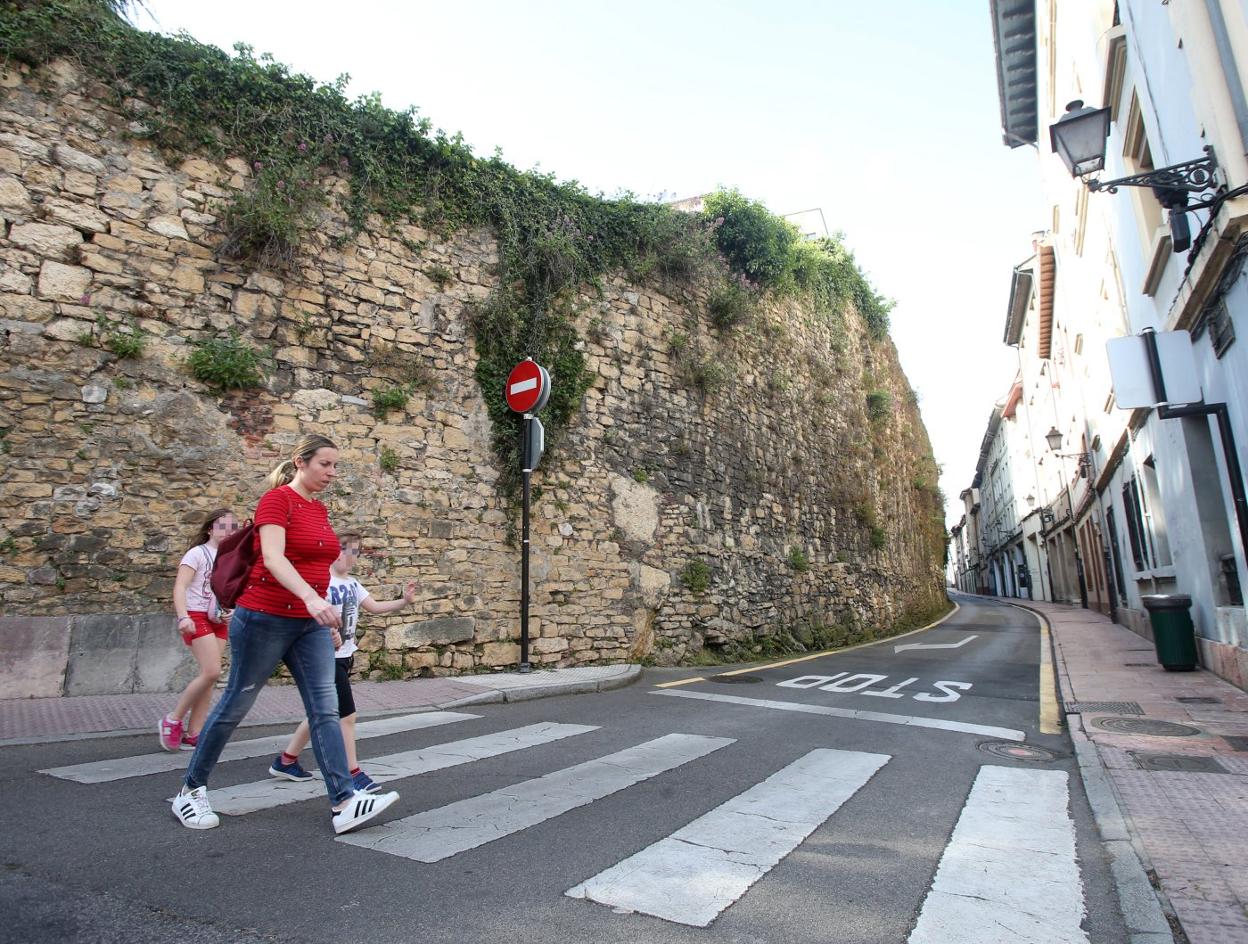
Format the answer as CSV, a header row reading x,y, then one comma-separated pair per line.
x,y
528,387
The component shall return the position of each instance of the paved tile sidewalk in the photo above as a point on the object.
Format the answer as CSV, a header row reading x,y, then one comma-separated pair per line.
x,y
32,719
1191,827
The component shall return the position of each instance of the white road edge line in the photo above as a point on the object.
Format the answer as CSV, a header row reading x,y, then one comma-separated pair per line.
x,y
140,765
440,833
704,867
1015,823
960,727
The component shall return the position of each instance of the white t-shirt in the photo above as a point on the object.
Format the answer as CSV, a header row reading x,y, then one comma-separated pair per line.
x,y
346,594
199,595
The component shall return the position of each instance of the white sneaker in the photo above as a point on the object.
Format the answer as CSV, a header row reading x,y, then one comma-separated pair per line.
x,y
361,808
194,810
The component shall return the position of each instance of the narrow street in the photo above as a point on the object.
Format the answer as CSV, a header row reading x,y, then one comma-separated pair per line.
x,y
901,791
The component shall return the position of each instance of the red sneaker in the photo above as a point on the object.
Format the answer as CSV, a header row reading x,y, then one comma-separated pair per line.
x,y
170,733
190,742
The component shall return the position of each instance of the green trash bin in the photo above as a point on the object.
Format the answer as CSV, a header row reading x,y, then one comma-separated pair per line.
x,y
1173,633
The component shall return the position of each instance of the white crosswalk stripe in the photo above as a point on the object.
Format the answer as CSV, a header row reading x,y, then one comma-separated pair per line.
x,y
140,765
1009,872
265,794
702,868
1014,823
440,833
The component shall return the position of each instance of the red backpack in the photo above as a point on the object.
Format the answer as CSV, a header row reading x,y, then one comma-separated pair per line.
x,y
235,556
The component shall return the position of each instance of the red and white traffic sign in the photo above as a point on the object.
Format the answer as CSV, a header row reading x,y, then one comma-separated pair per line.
x,y
528,386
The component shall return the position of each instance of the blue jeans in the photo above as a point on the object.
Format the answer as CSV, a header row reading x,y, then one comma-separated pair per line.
x,y
258,642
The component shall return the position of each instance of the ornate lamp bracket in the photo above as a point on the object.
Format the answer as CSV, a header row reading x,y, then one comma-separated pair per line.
x,y
1173,183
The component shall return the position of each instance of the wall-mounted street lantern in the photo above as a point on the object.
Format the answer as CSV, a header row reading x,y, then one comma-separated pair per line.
x,y
1079,139
1054,438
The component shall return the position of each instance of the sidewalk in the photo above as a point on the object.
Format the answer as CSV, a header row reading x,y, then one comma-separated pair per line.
x,y
30,720
1183,799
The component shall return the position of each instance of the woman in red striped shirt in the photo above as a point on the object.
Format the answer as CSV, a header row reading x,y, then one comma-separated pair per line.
x,y
283,615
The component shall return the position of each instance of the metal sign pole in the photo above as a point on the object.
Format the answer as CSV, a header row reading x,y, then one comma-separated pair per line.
x,y
527,470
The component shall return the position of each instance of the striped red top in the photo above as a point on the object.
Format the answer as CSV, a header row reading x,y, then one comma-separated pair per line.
x,y
311,546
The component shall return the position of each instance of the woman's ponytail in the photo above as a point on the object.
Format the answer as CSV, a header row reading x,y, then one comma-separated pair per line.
x,y
282,474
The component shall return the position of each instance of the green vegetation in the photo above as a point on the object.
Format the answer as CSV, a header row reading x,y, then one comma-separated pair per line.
x,y
798,560
388,460
440,275
770,254
127,343
379,661
390,398
879,405
696,576
227,363
554,237
733,303
702,373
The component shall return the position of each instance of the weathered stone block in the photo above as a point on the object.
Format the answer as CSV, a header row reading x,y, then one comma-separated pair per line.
x,y
634,508
13,195
434,632
64,282
113,654
73,159
78,215
24,146
45,239
500,653
170,226
33,654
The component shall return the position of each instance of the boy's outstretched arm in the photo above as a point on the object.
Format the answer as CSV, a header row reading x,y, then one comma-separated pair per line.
x,y
369,605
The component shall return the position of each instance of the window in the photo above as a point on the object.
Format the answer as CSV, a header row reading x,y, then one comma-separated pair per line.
x,y
1117,553
1135,525
1146,528
1115,40
1137,154
1153,516
1218,322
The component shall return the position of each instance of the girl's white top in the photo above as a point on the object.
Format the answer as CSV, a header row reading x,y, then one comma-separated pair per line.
x,y
199,594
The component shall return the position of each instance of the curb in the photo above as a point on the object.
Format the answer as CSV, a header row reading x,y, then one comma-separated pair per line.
x,y
546,690
492,696
1144,907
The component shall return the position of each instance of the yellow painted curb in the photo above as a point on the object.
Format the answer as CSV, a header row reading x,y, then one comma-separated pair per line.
x,y
1050,716
696,678
1050,712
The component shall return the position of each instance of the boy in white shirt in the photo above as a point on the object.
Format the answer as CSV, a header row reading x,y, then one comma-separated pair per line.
x,y
348,596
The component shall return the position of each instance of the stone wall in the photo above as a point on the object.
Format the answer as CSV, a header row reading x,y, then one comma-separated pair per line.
x,y
747,452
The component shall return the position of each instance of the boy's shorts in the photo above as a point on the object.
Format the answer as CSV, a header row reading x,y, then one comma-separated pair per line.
x,y
204,627
342,682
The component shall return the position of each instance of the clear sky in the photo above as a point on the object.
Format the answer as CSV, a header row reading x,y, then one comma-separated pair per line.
x,y
884,115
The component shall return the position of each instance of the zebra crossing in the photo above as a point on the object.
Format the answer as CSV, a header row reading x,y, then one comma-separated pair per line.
x,y
1014,822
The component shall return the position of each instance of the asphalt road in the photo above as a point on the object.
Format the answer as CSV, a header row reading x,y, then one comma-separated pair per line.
x,y
489,855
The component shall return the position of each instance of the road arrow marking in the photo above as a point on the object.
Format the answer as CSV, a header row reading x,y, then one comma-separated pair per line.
x,y
933,645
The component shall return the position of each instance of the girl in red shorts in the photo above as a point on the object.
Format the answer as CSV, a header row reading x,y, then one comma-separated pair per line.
x,y
204,627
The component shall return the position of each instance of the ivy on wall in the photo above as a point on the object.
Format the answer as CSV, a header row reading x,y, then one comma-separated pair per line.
x,y
554,237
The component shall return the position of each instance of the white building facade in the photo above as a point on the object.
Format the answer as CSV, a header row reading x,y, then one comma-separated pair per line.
x,y
1141,501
